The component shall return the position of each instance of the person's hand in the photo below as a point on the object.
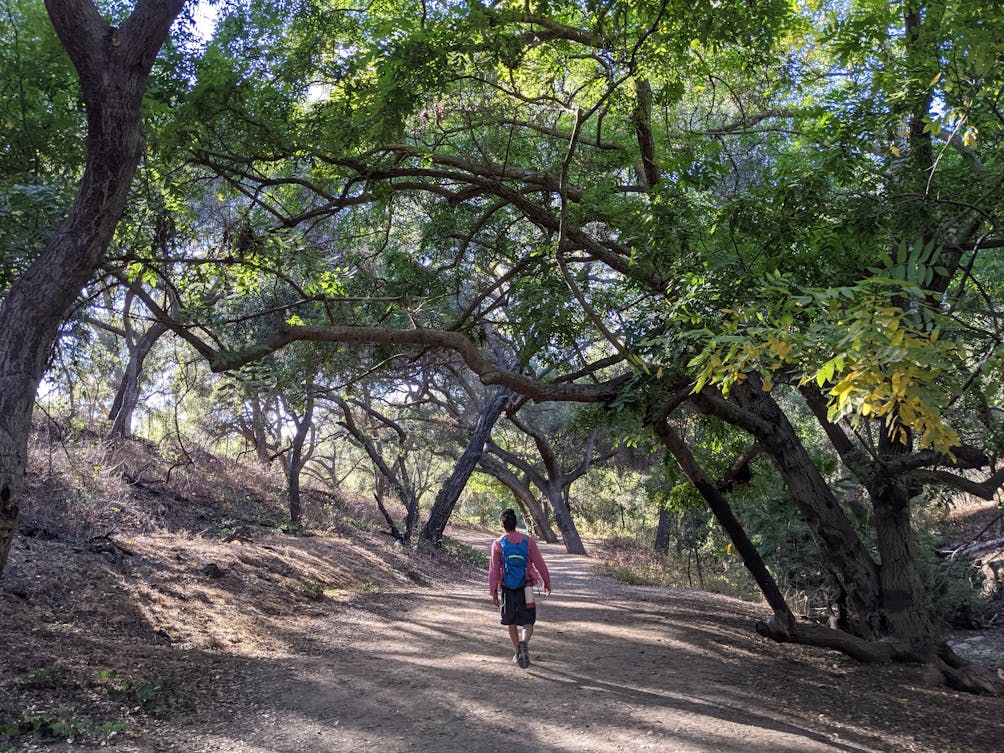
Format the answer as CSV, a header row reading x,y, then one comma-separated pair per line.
x,y
495,598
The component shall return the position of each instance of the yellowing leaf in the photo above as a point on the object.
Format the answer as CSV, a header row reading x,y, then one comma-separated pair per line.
x,y
900,380
907,414
843,388
826,371
780,348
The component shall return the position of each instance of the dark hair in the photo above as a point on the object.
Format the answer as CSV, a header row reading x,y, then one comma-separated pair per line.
x,y
508,519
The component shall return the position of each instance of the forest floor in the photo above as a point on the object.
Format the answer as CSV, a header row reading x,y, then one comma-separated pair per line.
x,y
161,635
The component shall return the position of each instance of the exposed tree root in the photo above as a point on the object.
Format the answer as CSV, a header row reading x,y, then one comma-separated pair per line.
x,y
810,634
950,668
961,674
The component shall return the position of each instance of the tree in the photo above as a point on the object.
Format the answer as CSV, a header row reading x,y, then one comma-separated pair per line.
x,y
138,346
550,477
397,473
113,65
699,203
299,454
439,516
522,490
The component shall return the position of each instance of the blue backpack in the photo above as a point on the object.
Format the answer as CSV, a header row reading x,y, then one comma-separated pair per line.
x,y
514,559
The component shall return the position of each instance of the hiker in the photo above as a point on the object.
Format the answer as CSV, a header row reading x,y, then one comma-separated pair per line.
x,y
516,567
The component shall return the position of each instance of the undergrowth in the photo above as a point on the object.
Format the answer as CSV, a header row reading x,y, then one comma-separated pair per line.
x,y
61,724
627,560
464,553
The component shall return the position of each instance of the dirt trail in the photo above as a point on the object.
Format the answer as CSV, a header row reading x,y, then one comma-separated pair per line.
x,y
614,668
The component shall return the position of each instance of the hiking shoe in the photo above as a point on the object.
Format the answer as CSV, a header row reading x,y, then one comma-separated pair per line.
x,y
522,655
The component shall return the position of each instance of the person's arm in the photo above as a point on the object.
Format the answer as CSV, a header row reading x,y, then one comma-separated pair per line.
x,y
494,567
538,564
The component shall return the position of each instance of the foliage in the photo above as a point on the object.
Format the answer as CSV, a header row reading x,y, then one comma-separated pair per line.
x,y
155,695
465,553
41,121
481,501
612,500
877,348
631,560
59,725
700,197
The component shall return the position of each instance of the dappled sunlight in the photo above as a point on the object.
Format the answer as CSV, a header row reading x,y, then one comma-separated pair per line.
x,y
383,705
401,668
262,589
253,640
570,682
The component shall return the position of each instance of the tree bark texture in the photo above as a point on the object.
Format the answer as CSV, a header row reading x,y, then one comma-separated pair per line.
x,y
879,601
554,490
446,500
904,614
113,66
642,117
844,554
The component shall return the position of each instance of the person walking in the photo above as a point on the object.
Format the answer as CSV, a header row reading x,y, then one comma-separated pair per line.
x,y
517,566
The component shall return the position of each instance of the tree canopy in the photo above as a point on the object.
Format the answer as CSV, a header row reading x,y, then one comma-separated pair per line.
x,y
779,217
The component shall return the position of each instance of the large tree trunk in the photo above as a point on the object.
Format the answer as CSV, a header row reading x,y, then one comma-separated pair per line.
x,y
113,65
442,508
843,553
885,618
563,517
904,615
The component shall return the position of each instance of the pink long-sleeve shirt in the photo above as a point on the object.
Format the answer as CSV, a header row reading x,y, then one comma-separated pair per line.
x,y
536,570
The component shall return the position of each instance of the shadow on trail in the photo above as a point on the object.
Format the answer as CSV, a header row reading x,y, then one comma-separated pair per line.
x,y
421,693
420,681
614,669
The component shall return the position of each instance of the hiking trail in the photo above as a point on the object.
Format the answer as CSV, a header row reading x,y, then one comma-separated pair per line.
x,y
614,668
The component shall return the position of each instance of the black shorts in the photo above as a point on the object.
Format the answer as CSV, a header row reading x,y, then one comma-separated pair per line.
x,y
514,610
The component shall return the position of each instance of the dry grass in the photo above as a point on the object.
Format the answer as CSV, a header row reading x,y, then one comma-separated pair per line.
x,y
629,561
